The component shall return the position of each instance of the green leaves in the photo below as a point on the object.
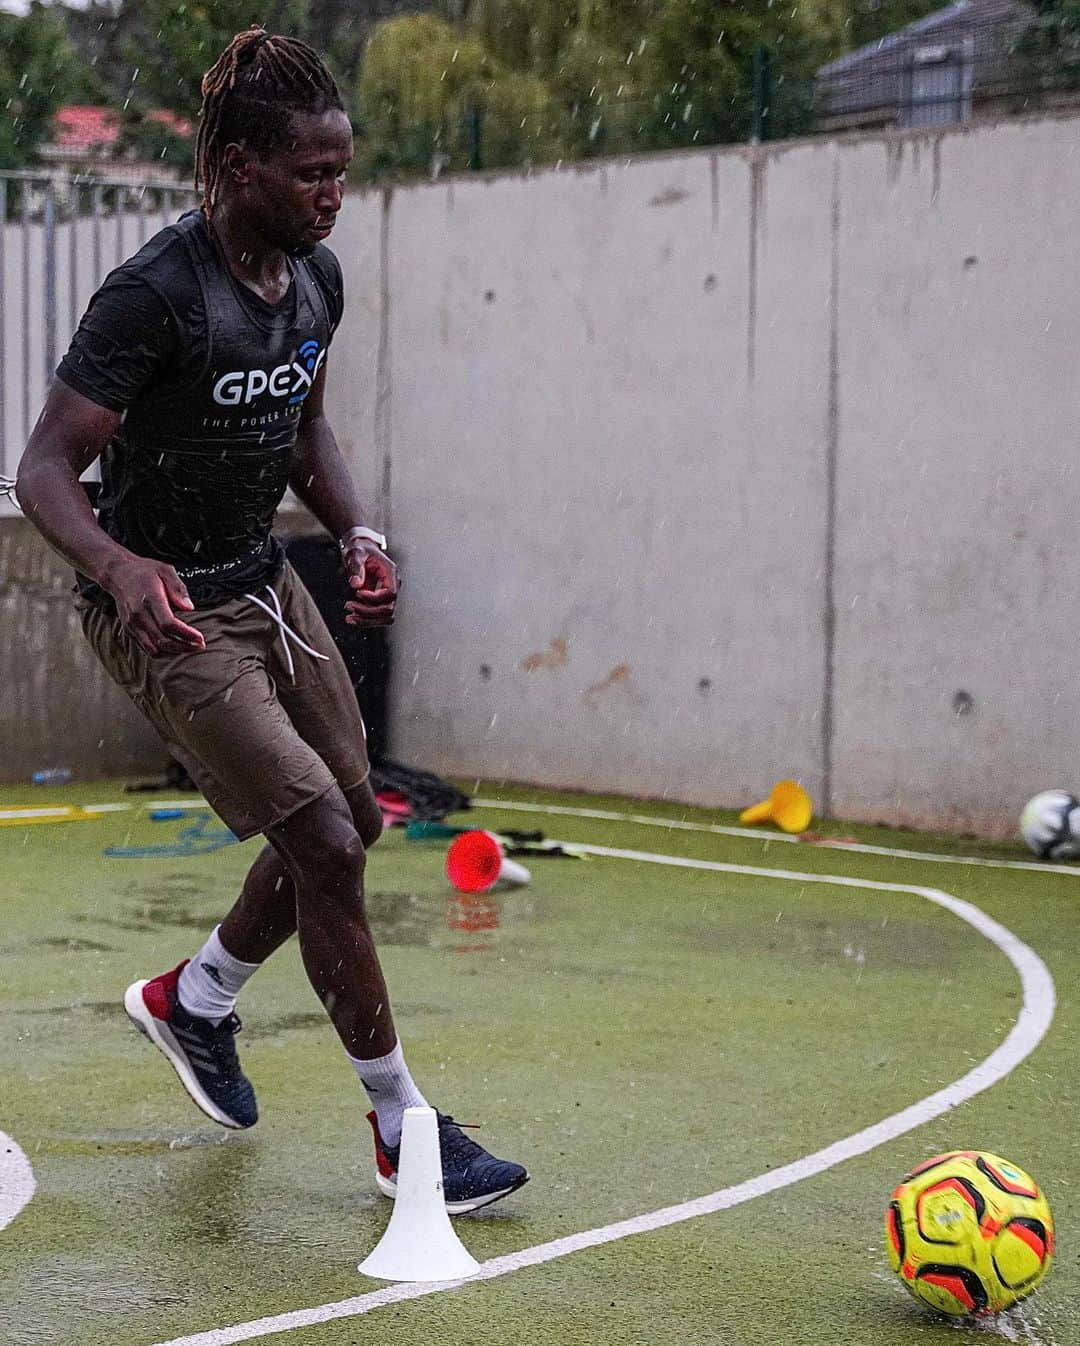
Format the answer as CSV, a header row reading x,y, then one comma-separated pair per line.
x,y
431,94
480,83
175,43
35,66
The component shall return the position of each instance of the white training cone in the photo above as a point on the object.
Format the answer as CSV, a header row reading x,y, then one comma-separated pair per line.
x,y
419,1243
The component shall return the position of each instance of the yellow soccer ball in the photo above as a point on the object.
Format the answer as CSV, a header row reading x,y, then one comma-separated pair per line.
x,y
969,1234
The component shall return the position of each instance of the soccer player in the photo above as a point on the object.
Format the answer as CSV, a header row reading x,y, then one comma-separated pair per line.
x,y
197,375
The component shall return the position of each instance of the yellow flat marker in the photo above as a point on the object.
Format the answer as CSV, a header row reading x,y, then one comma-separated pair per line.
x,y
59,813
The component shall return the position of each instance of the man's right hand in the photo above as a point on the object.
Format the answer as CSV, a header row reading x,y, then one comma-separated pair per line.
x,y
145,593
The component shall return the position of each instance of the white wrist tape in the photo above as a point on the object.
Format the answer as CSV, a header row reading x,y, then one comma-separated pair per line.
x,y
364,534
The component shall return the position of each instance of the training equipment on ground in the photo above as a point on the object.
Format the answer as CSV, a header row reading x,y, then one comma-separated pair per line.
x,y
512,841
199,838
428,795
60,813
422,829
475,863
471,1177
1050,824
419,1243
788,805
969,1234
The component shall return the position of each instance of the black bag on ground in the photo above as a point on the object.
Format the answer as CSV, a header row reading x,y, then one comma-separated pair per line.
x,y
430,797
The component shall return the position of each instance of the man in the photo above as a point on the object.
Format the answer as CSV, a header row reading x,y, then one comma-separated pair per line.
x,y
198,374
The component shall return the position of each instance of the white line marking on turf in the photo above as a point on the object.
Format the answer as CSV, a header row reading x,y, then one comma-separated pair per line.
x,y
760,834
189,803
1034,1019
16,1180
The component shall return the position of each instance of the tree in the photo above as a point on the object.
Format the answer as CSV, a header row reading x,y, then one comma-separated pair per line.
x,y
493,82
1046,61
35,75
100,33
701,56
874,19
430,95
173,45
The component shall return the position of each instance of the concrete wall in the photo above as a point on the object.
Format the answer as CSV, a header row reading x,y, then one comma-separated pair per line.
x,y
703,470
709,469
957,483
58,707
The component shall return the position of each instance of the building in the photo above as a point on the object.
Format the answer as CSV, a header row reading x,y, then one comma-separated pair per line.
x,y
86,142
972,58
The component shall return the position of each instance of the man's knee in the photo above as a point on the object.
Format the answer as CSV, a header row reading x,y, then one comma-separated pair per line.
x,y
341,860
323,851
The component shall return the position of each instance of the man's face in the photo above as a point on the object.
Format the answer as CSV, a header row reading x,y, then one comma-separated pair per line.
x,y
294,192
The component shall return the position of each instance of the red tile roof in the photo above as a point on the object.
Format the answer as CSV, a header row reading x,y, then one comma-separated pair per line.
x,y
79,127
83,128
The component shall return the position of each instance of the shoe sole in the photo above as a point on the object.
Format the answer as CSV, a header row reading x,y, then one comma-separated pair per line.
x,y
388,1187
161,1036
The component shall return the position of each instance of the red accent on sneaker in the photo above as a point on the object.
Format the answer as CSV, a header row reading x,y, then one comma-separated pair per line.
x,y
383,1164
159,995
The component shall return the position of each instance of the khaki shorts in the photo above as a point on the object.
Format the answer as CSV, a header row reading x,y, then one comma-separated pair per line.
x,y
258,743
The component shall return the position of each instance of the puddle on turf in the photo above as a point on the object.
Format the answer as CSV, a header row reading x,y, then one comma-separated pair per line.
x,y
396,918
39,1306
212,1195
159,914
404,918
304,1020
254,1029
72,945
102,1009
473,920
177,902
169,886
126,1143
284,1023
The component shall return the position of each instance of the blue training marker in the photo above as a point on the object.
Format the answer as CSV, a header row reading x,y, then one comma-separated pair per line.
x,y
165,815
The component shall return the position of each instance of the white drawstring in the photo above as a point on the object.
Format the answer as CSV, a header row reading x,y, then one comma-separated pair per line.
x,y
286,630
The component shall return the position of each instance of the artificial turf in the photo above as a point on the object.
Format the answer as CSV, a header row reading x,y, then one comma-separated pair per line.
x,y
637,1035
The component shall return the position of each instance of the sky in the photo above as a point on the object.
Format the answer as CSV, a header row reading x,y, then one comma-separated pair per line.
x,y
21,6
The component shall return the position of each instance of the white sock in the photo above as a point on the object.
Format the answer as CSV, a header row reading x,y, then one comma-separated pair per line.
x,y
212,980
391,1089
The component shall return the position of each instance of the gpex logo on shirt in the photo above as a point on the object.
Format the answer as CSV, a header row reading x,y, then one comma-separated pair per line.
x,y
292,381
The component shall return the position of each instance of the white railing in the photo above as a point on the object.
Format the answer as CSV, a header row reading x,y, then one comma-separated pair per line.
x,y
59,238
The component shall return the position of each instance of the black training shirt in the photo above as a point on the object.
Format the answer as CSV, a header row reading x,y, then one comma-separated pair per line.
x,y
212,381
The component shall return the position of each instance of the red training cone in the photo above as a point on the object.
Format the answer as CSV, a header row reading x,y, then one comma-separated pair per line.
x,y
475,864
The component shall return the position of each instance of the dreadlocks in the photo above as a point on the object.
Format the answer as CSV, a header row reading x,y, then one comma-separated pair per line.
x,y
249,94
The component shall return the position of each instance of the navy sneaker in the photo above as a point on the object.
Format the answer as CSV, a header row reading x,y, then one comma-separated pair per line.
x,y
204,1056
471,1177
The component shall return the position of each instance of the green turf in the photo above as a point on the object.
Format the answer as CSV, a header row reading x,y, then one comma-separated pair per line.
x,y
637,1035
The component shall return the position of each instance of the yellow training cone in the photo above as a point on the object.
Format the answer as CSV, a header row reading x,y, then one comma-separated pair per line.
x,y
789,806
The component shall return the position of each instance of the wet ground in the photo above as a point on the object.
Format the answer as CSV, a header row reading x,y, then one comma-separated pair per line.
x,y
638,1035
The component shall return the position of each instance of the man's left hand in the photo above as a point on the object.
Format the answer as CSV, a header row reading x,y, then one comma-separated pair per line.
x,y
373,579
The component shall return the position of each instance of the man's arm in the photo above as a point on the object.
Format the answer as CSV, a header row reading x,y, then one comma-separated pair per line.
x,y
322,481
70,434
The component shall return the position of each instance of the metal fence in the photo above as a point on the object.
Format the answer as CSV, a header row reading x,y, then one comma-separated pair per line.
x,y
957,65
59,237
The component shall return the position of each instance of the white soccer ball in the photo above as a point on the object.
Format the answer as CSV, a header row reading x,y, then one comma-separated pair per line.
x,y
1050,824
